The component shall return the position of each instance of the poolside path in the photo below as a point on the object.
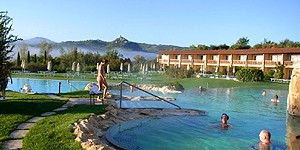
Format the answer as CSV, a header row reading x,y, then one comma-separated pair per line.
x,y
17,135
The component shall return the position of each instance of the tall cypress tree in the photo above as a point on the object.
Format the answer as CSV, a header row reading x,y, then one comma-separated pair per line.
x,y
35,60
28,56
45,55
18,59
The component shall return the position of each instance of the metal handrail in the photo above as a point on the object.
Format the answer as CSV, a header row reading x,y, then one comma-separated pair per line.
x,y
121,89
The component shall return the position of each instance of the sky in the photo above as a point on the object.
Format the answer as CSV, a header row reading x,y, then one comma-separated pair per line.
x,y
172,22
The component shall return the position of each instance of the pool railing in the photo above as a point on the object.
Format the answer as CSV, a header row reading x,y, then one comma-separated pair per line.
x,y
160,98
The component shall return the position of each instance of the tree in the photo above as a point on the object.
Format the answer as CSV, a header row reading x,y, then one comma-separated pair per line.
x,y
7,39
45,49
223,46
114,59
35,59
288,44
28,56
279,71
265,44
23,51
242,43
18,59
139,59
202,47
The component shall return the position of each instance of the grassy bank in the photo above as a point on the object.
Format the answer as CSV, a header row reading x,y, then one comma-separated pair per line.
x,y
54,132
18,108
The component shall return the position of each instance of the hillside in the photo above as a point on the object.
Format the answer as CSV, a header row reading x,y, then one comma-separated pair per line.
x,y
118,43
125,47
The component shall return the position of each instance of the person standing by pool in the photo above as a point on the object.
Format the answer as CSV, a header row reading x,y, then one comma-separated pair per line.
x,y
4,79
101,77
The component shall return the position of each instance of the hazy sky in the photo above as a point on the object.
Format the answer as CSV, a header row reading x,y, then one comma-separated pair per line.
x,y
177,22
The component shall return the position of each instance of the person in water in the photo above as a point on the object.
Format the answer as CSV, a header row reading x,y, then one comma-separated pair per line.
x,y
265,140
275,99
264,93
225,119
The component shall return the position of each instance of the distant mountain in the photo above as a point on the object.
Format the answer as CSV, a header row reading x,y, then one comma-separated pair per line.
x,y
118,43
125,47
35,41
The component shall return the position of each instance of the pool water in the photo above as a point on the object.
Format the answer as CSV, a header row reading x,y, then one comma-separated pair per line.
x,y
46,86
249,112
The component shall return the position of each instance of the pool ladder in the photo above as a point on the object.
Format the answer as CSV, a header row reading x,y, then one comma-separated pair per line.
x,y
124,82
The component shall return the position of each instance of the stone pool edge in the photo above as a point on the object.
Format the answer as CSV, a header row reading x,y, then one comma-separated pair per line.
x,y
90,133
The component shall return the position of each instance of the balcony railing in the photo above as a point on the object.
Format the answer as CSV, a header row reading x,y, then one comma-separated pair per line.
x,y
239,62
212,62
270,63
198,61
288,63
173,61
255,62
186,61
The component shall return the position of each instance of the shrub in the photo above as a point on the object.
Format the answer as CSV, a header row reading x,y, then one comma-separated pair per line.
x,y
177,86
249,75
179,73
34,67
268,75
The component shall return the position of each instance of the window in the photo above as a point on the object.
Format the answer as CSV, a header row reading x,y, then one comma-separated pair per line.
x,y
277,58
243,57
259,57
215,57
201,57
228,57
295,58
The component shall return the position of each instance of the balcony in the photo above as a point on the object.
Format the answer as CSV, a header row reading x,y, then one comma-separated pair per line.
x,y
186,61
212,62
238,63
254,63
174,61
288,64
224,62
270,63
163,61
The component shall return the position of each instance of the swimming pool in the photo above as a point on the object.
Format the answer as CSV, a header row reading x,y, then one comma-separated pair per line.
x,y
46,86
249,113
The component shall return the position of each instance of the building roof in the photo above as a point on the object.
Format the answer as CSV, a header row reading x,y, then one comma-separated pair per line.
x,y
237,51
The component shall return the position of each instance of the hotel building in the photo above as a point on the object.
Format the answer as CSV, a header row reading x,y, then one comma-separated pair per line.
x,y
225,61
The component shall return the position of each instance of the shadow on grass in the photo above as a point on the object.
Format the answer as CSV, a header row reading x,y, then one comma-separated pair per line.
x,y
29,107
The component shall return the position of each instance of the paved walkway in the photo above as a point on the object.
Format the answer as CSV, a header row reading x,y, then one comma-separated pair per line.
x,y
18,135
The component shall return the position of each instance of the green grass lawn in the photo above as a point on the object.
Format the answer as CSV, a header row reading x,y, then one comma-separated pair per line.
x,y
54,132
75,94
18,108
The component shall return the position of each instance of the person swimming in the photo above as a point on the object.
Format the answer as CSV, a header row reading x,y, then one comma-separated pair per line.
x,y
201,89
225,119
264,93
265,142
275,99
